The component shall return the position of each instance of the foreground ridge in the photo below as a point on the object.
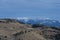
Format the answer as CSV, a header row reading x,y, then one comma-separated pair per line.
x,y
12,29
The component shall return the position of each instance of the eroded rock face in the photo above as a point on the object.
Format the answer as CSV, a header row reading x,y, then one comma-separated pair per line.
x,y
17,31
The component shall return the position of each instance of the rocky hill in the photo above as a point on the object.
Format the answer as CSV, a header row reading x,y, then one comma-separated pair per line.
x,y
12,29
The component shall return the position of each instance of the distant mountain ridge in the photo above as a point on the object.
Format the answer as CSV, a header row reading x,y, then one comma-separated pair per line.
x,y
47,22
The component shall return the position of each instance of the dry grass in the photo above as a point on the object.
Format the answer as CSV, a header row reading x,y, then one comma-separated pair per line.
x,y
17,31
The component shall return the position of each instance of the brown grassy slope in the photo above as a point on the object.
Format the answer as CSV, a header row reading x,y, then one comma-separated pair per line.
x,y
13,30
9,27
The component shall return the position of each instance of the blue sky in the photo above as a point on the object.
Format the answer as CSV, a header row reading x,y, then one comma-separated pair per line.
x,y
30,8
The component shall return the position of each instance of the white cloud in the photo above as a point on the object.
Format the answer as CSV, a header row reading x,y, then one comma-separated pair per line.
x,y
47,18
22,18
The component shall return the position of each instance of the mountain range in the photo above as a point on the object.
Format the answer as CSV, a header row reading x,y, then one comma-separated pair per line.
x,y
46,22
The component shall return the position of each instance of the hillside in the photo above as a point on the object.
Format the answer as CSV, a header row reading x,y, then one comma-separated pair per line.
x,y
12,29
